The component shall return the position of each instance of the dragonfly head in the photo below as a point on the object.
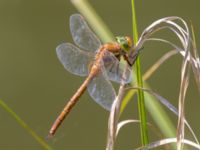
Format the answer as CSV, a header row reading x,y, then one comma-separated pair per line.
x,y
125,42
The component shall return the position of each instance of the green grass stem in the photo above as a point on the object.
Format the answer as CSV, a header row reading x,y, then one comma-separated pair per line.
x,y
25,126
141,101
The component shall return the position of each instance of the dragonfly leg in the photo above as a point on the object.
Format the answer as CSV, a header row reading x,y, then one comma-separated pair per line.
x,y
127,60
118,56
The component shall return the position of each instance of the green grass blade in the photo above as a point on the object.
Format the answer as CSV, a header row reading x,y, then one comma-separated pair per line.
x,y
24,125
141,102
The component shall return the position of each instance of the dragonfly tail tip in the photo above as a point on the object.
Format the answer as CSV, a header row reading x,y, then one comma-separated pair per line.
x,y
49,136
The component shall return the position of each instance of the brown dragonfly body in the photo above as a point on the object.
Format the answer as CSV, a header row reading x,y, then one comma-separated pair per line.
x,y
111,47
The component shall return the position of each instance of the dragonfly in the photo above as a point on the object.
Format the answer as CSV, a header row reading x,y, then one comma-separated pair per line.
x,y
99,62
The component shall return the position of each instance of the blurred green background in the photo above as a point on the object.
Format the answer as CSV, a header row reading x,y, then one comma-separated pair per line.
x,y
36,86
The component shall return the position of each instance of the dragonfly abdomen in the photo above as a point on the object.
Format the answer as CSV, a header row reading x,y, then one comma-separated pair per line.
x,y
70,104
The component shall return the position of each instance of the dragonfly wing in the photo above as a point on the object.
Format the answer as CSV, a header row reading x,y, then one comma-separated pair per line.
x,y
115,69
82,35
101,90
73,59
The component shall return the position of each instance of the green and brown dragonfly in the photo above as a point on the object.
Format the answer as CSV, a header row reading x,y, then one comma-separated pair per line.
x,y
100,63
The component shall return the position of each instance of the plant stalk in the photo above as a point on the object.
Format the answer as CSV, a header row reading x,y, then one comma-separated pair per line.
x,y
141,101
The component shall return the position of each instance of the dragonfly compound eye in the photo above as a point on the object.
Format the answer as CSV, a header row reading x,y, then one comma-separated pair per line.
x,y
129,41
124,42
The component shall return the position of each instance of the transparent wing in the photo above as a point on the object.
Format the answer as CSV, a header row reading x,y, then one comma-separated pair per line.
x,y
73,59
101,90
115,69
82,35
